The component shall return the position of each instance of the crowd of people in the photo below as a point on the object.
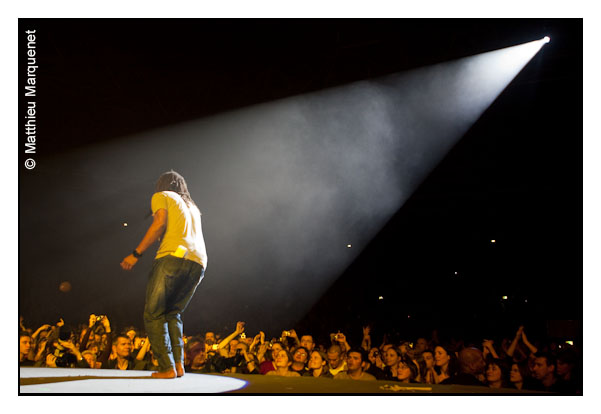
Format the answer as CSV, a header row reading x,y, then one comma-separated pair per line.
x,y
514,362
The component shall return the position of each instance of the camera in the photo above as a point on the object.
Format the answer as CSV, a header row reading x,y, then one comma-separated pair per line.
x,y
243,335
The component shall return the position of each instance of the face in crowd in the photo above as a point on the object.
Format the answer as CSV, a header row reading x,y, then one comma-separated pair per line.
x,y
306,341
282,360
493,373
275,349
541,369
316,361
210,338
515,375
391,357
428,359
421,345
403,371
334,359
354,362
441,357
300,356
24,345
123,347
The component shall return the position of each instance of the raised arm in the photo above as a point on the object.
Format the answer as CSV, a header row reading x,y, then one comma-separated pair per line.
x,y
487,346
366,342
514,343
532,348
227,340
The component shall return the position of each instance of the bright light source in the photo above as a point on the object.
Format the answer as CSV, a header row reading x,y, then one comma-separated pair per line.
x,y
455,272
504,297
349,246
493,241
570,343
546,39
381,298
124,224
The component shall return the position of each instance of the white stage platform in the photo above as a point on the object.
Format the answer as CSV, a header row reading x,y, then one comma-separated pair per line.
x,y
121,382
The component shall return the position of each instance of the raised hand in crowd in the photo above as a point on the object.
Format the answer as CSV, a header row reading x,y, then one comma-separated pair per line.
x,y
341,339
222,345
488,348
366,342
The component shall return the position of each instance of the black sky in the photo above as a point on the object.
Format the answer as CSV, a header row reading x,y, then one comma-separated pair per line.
x,y
515,177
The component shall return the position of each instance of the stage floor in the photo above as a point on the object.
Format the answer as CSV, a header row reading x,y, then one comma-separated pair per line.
x,y
100,381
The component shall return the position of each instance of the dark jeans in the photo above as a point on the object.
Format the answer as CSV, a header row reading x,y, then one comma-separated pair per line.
x,y
171,285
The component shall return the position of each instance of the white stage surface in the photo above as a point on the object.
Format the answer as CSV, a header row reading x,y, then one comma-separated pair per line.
x,y
114,381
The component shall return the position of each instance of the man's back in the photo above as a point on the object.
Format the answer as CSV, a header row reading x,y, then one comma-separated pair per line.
x,y
183,227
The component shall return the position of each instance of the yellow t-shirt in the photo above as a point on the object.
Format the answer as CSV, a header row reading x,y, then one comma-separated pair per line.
x,y
183,227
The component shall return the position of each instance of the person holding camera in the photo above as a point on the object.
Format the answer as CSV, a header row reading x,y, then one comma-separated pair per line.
x,y
178,268
373,363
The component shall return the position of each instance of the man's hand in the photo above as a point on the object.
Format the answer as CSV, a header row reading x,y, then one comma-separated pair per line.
x,y
129,262
240,327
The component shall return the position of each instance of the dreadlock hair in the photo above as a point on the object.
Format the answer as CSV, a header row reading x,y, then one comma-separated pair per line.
x,y
172,181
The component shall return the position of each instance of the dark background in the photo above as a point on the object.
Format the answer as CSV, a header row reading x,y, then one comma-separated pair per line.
x,y
515,177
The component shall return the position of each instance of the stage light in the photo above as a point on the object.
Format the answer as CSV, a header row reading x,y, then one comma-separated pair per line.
x,y
493,241
546,39
370,145
570,343
504,297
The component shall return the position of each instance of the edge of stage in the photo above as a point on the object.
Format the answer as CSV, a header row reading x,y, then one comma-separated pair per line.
x,y
38,381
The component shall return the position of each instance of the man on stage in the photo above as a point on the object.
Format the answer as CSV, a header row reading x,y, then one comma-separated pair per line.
x,y
178,268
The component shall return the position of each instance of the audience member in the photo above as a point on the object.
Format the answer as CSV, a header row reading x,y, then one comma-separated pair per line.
x,y
24,348
300,357
497,373
355,360
406,370
317,366
471,367
283,361
445,366
557,370
336,362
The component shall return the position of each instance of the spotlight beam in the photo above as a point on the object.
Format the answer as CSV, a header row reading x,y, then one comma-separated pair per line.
x,y
282,186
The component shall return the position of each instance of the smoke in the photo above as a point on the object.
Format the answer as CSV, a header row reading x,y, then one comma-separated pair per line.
x,y
284,187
